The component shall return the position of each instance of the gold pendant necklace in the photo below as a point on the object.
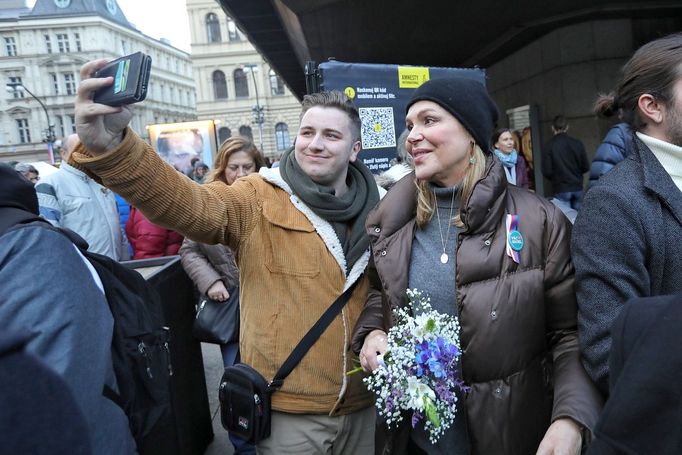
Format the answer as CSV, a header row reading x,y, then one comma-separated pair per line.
x,y
444,242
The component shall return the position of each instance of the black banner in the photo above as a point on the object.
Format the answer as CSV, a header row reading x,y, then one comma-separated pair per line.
x,y
381,92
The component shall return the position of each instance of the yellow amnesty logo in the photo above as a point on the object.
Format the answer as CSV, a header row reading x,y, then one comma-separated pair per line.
x,y
412,77
350,93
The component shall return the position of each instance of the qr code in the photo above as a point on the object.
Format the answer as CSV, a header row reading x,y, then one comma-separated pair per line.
x,y
378,128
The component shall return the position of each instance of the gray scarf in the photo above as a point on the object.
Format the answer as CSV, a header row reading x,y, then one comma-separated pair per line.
x,y
347,213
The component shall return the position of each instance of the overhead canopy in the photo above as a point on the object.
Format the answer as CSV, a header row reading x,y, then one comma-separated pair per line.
x,y
436,33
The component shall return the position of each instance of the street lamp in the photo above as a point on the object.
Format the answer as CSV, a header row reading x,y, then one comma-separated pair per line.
x,y
17,86
258,110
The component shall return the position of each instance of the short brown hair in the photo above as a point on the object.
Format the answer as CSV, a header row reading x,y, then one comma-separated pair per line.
x,y
231,146
653,70
559,123
337,100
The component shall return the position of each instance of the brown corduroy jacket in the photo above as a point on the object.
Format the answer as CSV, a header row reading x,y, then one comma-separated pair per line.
x,y
518,321
291,266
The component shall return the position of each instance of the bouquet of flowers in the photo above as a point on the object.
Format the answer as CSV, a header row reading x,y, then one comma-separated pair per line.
x,y
418,372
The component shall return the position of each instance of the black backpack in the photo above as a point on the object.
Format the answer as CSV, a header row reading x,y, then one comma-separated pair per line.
x,y
140,343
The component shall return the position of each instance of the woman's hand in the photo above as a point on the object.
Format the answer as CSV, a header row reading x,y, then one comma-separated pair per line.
x,y
375,344
218,292
562,438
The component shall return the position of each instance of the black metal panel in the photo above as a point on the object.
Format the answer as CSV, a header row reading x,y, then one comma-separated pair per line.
x,y
188,431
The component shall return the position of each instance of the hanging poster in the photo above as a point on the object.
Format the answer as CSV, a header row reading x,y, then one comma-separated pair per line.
x,y
179,143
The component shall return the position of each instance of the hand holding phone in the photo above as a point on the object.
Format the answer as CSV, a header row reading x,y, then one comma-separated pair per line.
x,y
131,77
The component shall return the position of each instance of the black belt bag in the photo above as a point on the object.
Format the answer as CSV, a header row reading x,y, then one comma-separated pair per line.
x,y
245,394
245,403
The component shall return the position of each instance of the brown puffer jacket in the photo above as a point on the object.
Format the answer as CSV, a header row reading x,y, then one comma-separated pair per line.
x,y
518,321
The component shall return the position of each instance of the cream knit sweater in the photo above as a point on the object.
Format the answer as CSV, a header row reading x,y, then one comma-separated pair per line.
x,y
669,155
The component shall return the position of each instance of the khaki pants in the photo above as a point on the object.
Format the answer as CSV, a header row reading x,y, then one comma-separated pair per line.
x,y
351,434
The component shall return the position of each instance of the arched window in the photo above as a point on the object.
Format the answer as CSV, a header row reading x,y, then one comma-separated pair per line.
x,y
276,84
282,136
213,28
232,33
219,85
223,134
241,85
245,131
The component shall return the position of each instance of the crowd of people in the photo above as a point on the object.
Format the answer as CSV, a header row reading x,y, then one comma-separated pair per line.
x,y
563,329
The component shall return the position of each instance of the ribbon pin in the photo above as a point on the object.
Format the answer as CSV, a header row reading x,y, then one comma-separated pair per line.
x,y
514,238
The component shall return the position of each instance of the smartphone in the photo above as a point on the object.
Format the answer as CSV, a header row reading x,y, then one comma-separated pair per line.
x,y
131,77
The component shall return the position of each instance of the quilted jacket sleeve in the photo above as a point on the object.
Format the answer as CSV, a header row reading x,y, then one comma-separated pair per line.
x,y
610,152
374,314
575,395
210,213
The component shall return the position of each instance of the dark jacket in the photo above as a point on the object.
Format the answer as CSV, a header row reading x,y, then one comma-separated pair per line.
x,y
564,163
206,264
39,412
627,242
611,151
643,413
48,292
149,240
518,322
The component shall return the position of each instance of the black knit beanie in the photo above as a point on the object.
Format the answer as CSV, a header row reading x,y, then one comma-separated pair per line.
x,y
465,98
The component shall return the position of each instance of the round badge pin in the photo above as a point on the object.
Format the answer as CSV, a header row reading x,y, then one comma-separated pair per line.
x,y
515,240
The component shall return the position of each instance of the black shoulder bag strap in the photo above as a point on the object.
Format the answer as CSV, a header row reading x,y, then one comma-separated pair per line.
x,y
310,338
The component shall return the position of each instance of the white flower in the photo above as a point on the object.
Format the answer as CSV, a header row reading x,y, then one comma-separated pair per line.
x,y
417,392
396,386
420,330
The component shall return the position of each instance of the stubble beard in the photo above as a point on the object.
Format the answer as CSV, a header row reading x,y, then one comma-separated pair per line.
x,y
674,127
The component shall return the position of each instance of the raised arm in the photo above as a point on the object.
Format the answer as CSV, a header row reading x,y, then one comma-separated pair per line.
x,y
120,160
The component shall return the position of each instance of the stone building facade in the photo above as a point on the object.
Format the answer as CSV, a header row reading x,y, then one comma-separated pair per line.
x,y
233,80
43,48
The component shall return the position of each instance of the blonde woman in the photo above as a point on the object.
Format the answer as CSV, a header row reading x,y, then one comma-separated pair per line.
x,y
444,231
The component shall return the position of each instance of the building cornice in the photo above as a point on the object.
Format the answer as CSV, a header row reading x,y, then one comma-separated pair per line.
x,y
17,111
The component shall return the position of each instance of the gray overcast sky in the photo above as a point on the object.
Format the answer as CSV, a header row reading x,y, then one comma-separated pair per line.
x,y
157,18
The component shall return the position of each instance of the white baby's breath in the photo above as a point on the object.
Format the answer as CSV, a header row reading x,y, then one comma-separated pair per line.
x,y
418,373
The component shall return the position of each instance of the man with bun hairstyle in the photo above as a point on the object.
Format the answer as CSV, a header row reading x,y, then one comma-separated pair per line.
x,y
627,240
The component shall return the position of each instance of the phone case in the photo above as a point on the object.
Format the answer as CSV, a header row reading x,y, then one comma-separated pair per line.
x,y
131,77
